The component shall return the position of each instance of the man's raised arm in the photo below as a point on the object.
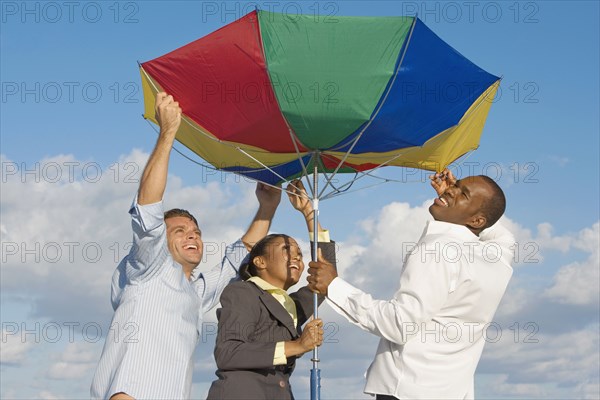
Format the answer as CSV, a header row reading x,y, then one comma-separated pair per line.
x,y
154,178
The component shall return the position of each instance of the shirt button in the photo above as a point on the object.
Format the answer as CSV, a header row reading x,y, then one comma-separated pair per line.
x,y
282,384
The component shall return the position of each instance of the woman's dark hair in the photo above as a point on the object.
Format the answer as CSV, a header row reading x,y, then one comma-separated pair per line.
x,y
248,269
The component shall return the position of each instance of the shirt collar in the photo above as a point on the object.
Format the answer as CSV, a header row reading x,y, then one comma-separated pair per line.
x,y
264,285
447,228
195,273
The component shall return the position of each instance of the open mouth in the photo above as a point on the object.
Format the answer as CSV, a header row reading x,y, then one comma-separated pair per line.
x,y
441,201
190,247
294,266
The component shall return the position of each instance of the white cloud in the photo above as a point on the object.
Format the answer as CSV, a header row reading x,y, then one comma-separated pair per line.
x,y
572,284
13,348
67,371
589,390
528,356
579,282
77,361
588,239
498,386
46,395
515,299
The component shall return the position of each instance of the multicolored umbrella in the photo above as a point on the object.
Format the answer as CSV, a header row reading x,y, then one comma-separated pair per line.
x,y
271,95
277,96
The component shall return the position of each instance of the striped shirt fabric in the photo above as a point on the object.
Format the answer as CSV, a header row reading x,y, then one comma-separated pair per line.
x,y
149,349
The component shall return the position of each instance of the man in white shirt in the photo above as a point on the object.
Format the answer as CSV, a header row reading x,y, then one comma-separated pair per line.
x,y
433,330
158,295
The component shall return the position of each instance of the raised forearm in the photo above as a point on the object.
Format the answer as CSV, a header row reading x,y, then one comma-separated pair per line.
x,y
309,218
154,177
259,227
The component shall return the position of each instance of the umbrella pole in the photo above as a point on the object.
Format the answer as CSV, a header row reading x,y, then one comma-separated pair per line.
x,y
315,373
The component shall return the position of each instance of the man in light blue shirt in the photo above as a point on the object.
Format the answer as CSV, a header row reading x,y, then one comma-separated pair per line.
x,y
158,295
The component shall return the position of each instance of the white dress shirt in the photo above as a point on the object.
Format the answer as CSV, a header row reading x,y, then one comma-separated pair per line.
x,y
158,314
432,330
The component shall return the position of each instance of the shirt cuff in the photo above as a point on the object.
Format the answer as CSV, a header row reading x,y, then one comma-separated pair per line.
x,y
322,237
339,290
147,216
236,254
279,358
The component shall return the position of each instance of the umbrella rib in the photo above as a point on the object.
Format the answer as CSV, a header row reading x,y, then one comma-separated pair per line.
x,y
377,110
260,163
362,174
385,180
335,194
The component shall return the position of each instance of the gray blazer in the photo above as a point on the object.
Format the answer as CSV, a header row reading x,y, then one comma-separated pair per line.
x,y
251,322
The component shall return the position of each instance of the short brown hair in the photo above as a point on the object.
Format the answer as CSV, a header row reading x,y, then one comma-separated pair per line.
x,y
178,212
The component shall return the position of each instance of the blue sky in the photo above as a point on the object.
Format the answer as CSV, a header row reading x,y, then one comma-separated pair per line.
x,y
73,143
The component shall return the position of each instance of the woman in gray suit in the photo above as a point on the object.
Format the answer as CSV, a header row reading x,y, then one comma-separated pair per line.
x,y
260,334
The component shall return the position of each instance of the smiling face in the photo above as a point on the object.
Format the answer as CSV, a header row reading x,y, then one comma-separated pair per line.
x,y
462,203
185,242
281,264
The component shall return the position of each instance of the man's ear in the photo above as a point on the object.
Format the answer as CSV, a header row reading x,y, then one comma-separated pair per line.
x,y
477,221
259,262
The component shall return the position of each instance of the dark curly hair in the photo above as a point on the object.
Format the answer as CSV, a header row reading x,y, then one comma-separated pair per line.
x,y
494,207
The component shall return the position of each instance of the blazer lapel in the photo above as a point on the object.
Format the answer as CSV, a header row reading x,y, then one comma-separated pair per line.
x,y
277,310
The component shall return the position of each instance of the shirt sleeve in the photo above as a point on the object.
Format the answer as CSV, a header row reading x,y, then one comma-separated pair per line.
x,y
322,237
211,284
424,288
149,249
